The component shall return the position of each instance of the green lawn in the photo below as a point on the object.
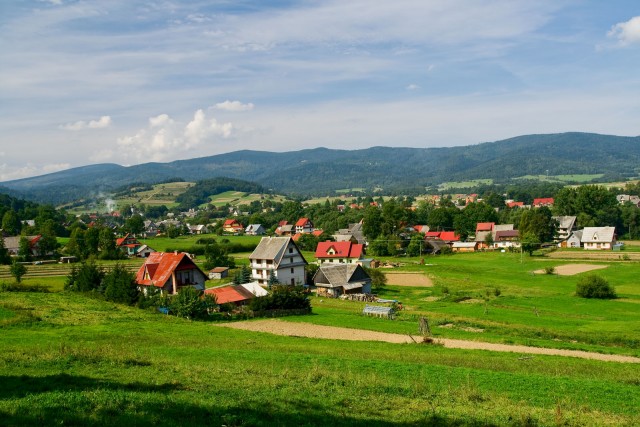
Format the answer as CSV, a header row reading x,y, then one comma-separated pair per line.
x,y
69,359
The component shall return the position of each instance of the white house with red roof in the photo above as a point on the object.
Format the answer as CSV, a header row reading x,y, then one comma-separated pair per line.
x,y
345,252
170,271
304,226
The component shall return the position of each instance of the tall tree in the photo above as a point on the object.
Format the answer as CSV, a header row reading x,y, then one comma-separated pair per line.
x,y
5,257
11,223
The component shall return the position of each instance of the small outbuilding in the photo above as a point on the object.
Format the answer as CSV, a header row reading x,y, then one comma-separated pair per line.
x,y
219,273
333,280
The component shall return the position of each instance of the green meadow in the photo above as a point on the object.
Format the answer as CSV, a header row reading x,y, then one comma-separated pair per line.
x,y
75,360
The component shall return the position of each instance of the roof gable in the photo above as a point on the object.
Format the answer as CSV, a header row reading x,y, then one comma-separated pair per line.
x,y
159,267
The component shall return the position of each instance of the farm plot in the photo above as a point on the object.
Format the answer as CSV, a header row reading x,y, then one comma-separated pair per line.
x,y
573,269
408,279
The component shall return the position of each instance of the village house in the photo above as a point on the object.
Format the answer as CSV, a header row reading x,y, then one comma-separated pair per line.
x,y
12,244
574,241
353,233
144,251
254,230
465,246
333,280
198,229
506,239
170,271
626,198
565,227
284,229
339,252
238,295
232,226
543,202
219,273
150,229
304,226
281,256
598,238
128,244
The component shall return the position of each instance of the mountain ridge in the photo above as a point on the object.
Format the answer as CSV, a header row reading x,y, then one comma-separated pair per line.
x,y
323,170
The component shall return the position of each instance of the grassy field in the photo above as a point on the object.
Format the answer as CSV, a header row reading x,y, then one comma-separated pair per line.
x,y
580,179
445,186
67,358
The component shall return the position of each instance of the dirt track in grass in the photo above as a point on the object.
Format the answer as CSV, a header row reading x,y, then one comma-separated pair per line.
x,y
295,329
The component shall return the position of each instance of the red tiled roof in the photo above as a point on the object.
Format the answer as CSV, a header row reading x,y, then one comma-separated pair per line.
x,y
346,249
449,236
302,222
432,234
227,294
230,222
543,201
159,266
296,237
514,204
317,233
485,226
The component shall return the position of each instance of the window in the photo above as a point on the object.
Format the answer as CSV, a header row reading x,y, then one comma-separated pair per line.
x,y
290,250
292,270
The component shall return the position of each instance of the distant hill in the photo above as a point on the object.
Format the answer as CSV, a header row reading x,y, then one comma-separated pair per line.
x,y
321,171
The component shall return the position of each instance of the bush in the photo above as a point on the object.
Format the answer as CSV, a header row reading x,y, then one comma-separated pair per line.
x,y
87,277
283,297
593,286
120,286
190,303
549,270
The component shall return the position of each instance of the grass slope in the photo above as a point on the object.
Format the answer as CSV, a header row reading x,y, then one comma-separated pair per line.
x,y
69,359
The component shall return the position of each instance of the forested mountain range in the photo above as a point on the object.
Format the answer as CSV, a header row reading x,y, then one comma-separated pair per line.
x,y
321,171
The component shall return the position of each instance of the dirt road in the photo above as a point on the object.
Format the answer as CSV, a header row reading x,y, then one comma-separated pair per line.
x,y
281,327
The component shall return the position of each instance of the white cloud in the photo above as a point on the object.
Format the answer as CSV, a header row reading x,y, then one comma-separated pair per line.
x,y
8,173
234,106
166,139
626,32
101,123
413,86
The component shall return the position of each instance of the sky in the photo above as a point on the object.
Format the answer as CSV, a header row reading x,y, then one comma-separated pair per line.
x,y
129,82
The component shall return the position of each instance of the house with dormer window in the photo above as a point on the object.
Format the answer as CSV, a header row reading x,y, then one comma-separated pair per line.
x,y
598,238
170,271
339,252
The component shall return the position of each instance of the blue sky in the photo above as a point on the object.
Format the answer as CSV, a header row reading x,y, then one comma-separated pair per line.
x,y
117,81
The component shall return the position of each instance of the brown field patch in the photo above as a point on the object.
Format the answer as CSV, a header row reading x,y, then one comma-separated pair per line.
x,y
571,269
307,330
409,279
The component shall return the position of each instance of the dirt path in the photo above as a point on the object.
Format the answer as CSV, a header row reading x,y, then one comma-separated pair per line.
x,y
571,269
408,279
280,327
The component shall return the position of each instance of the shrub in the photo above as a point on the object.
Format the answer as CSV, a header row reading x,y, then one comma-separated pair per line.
x,y
120,286
190,304
594,286
282,297
550,270
87,277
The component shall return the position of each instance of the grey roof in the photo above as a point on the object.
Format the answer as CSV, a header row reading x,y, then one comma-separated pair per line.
x,y
274,248
598,234
565,222
339,275
503,227
481,236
